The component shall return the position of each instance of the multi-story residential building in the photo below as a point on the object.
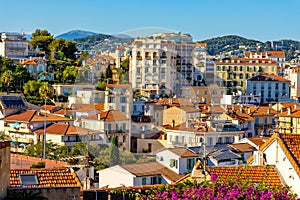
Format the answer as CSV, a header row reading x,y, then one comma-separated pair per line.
x,y
233,72
203,94
153,66
14,46
289,120
178,115
20,127
119,97
270,87
122,52
293,74
198,133
69,135
71,89
36,66
264,117
111,123
162,63
204,65
277,56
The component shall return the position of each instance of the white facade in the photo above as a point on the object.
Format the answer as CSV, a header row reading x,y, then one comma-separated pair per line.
x,y
14,46
175,162
293,74
273,154
269,90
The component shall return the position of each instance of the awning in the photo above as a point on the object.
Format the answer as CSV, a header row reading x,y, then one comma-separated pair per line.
x,y
15,125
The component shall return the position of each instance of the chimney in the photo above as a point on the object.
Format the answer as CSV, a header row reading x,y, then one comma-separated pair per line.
x,y
173,123
209,109
99,116
296,106
269,109
289,110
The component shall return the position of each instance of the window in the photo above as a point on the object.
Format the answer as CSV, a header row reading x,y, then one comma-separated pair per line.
x,y
144,181
111,99
153,180
210,141
109,127
154,69
28,179
163,70
157,115
154,62
123,100
163,62
146,69
138,70
190,163
123,109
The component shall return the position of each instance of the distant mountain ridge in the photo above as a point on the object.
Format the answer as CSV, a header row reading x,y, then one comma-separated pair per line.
x,y
71,35
237,44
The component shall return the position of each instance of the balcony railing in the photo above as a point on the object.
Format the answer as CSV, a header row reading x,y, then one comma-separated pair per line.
x,y
17,150
17,130
117,131
22,140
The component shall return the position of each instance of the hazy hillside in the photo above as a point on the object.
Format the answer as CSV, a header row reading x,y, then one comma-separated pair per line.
x,y
71,35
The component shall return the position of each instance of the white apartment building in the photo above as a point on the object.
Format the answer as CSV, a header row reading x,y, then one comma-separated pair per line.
x,y
14,46
270,87
162,63
293,74
119,97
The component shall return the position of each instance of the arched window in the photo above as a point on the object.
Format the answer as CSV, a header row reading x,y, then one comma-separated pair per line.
x,y
223,68
241,76
241,68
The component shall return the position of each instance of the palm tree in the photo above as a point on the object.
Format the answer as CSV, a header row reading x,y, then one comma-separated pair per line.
x,y
45,90
25,195
6,79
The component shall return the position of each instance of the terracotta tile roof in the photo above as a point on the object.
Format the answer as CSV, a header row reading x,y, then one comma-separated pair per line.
x,y
31,61
183,152
110,115
79,106
49,107
46,177
294,113
243,117
23,117
35,116
242,147
292,142
64,112
254,173
268,77
261,111
258,141
209,109
151,168
64,129
189,109
172,101
18,161
269,53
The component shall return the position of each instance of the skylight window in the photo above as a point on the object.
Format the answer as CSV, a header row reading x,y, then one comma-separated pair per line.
x,y
28,179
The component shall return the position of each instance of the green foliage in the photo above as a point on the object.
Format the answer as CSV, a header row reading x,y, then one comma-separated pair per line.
x,y
6,79
69,74
25,195
125,64
38,165
45,90
6,64
62,98
101,85
41,39
108,72
53,150
114,153
62,49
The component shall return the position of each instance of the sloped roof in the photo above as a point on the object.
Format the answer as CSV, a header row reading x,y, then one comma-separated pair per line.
x,y
34,116
261,110
269,77
110,115
151,168
46,177
294,113
242,147
64,129
18,161
183,152
254,173
258,141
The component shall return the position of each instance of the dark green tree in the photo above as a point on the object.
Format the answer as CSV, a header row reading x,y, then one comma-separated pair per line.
x,y
42,39
25,195
53,150
6,64
114,152
125,64
21,76
108,72
101,85
69,74
6,79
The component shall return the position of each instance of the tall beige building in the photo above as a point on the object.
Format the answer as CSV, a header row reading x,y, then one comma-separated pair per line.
x,y
162,63
14,46
234,72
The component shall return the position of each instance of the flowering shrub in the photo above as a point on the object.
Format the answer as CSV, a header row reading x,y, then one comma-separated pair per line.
x,y
218,190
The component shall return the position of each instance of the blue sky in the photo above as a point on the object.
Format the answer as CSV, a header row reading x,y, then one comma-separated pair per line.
x,y
256,19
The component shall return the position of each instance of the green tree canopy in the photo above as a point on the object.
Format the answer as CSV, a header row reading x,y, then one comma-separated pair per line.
x,y
41,39
53,150
125,64
62,49
70,74
114,152
6,79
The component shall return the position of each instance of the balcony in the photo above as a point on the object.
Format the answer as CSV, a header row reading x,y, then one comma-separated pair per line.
x,y
22,140
139,57
148,57
163,57
17,150
117,131
17,130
